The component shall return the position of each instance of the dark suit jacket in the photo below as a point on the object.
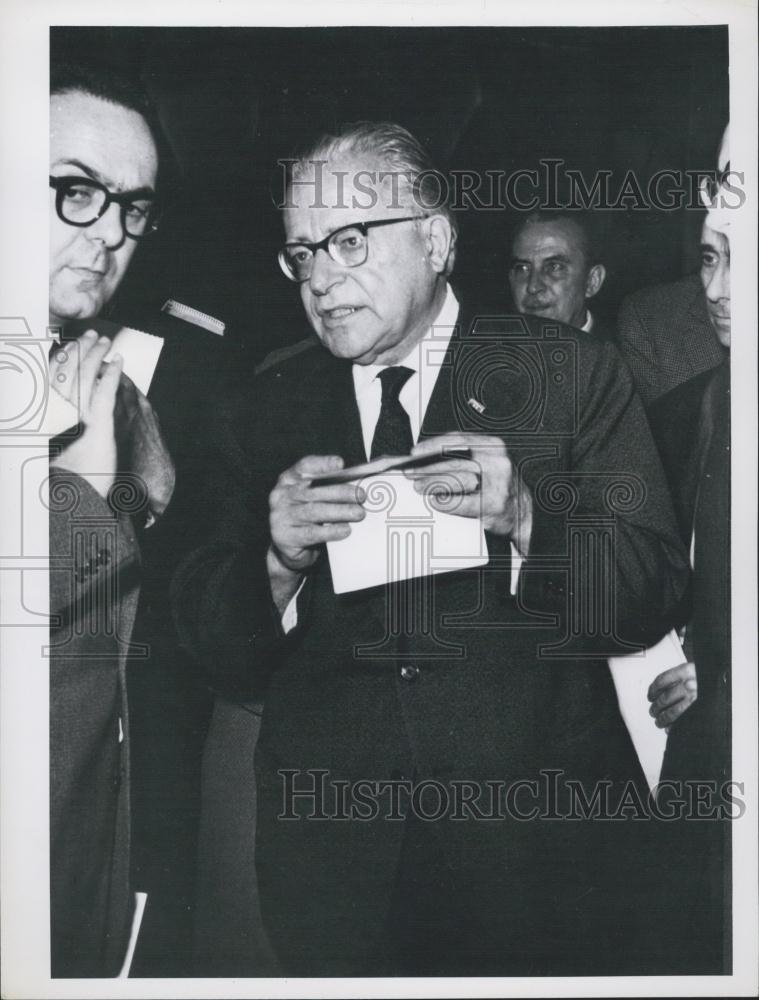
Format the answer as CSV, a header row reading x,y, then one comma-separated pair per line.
x,y
691,426
666,337
93,598
504,687
169,702
134,804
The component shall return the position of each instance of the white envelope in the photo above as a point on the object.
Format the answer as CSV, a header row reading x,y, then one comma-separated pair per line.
x,y
632,676
402,537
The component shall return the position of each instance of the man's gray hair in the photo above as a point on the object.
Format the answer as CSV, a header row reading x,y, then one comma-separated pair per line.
x,y
398,152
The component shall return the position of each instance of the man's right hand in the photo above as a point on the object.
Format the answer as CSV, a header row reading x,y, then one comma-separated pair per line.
x,y
79,374
302,517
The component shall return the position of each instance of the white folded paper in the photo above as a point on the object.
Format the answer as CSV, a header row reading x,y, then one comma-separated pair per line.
x,y
139,350
402,535
632,676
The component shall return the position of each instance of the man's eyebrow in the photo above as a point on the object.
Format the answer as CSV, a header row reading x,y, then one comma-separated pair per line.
x,y
95,175
302,241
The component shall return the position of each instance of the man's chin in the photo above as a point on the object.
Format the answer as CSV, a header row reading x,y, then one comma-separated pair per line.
x,y
76,307
722,329
349,345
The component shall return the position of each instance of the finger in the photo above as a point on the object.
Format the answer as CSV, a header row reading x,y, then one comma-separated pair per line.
x,y
442,485
682,671
104,395
314,464
326,513
460,505
673,713
446,465
429,446
301,492
667,697
89,370
476,443
338,493
307,535
310,465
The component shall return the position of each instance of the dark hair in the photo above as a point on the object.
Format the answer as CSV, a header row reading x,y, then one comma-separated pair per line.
x,y
398,150
108,84
590,227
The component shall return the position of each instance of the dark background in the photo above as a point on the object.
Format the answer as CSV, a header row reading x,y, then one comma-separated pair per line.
x,y
234,100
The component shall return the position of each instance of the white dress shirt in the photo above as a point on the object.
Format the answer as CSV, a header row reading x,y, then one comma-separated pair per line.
x,y
424,359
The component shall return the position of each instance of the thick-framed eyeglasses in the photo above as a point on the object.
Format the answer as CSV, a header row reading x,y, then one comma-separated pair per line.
x,y
348,246
80,201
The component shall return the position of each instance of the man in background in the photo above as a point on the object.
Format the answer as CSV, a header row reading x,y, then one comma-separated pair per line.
x,y
556,267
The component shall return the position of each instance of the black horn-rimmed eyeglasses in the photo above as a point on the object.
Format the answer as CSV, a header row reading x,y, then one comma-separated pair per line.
x,y
81,201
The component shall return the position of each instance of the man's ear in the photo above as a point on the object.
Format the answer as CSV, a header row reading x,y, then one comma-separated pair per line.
x,y
438,241
596,278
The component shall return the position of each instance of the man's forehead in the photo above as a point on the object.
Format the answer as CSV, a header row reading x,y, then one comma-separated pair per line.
x,y
113,142
549,238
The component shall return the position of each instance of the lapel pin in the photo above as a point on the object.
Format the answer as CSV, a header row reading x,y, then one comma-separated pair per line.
x,y
476,404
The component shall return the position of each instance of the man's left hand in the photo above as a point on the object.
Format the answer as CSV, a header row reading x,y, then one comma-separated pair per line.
x,y
485,485
671,693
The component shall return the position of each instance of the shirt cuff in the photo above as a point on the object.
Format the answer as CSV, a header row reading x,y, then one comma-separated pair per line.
x,y
290,614
516,565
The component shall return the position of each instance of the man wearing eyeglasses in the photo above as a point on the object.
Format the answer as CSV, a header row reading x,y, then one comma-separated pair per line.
x,y
109,471
446,679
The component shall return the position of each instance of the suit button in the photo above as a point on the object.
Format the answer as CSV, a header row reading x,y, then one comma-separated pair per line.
x,y
409,672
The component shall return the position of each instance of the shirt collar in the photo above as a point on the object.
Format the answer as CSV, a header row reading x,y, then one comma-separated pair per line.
x,y
441,329
587,326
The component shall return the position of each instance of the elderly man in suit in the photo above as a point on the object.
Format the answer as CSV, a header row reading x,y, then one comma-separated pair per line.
x,y
479,678
109,474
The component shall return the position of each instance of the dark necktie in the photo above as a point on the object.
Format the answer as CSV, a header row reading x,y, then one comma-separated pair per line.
x,y
392,435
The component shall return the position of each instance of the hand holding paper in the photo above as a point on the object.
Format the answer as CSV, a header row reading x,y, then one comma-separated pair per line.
x,y
75,373
672,692
486,484
304,516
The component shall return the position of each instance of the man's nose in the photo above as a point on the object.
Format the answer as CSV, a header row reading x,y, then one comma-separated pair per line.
x,y
718,286
534,281
325,273
108,227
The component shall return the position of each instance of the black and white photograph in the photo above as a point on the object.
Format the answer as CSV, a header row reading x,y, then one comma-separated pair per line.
x,y
378,556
